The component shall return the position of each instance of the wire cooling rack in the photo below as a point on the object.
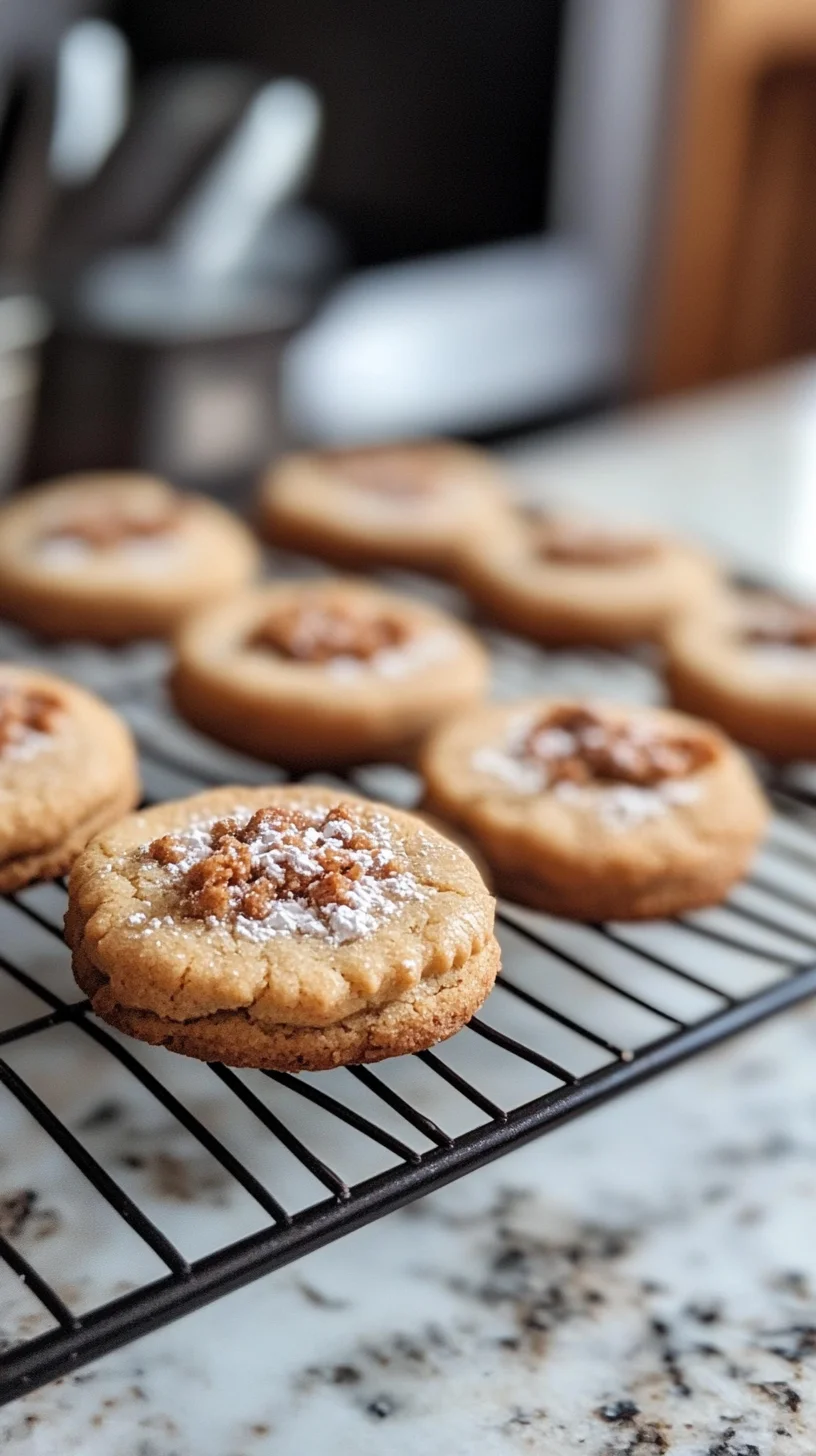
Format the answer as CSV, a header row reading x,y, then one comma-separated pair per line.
x,y
136,1186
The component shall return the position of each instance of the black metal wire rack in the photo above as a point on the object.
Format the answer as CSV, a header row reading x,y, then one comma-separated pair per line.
x,y
289,1163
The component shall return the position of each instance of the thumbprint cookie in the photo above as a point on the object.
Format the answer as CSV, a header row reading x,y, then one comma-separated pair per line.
x,y
749,664
399,505
281,928
67,768
312,674
560,579
113,557
597,811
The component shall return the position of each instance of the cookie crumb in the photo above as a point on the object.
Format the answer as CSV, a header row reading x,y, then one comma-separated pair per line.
x,y
388,475
331,872
571,543
626,772
315,631
102,527
29,718
779,621
578,746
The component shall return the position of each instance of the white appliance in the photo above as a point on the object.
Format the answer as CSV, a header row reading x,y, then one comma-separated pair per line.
x,y
506,333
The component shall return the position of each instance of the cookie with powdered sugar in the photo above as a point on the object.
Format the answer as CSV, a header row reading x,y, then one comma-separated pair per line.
x,y
596,811
317,674
398,504
281,927
114,556
67,768
747,660
566,578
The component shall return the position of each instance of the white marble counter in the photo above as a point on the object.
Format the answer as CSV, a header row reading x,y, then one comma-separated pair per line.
x,y
641,1281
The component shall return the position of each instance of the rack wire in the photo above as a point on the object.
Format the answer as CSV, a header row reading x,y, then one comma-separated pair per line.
x,y
284,1164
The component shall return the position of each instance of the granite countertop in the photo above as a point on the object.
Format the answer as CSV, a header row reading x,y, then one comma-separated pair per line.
x,y
641,1281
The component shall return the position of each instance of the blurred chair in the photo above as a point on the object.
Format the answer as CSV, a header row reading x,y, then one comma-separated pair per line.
x,y
736,269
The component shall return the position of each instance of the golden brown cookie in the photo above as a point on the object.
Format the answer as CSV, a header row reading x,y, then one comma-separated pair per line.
x,y
453,832
312,674
563,579
400,505
598,812
67,768
281,927
748,662
111,557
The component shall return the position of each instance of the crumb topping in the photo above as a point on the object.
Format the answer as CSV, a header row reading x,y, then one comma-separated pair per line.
x,y
348,639
389,475
626,772
103,527
311,631
779,622
566,543
331,872
28,719
577,746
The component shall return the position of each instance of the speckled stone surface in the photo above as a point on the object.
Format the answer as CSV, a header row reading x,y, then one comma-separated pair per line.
x,y
641,1281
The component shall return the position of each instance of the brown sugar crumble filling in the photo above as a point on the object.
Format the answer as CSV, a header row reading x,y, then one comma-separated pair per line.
x,y
324,871
24,712
566,544
578,747
779,622
103,527
386,475
316,633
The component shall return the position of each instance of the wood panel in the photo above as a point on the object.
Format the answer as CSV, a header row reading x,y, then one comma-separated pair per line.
x,y
771,274
735,263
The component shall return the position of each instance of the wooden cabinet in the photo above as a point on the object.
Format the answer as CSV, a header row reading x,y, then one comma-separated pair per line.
x,y
735,274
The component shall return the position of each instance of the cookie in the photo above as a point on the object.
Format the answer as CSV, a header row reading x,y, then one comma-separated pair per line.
x,y
67,769
561,579
312,674
748,662
451,831
281,928
399,505
598,812
112,557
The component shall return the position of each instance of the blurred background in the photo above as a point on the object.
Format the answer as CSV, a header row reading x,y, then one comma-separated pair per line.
x,y
229,228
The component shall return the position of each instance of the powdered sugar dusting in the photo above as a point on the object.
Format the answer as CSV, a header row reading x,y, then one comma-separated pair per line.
x,y
304,893
350,638
29,719
152,555
784,657
625,806
63,553
30,744
550,759
395,662
509,762
525,776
